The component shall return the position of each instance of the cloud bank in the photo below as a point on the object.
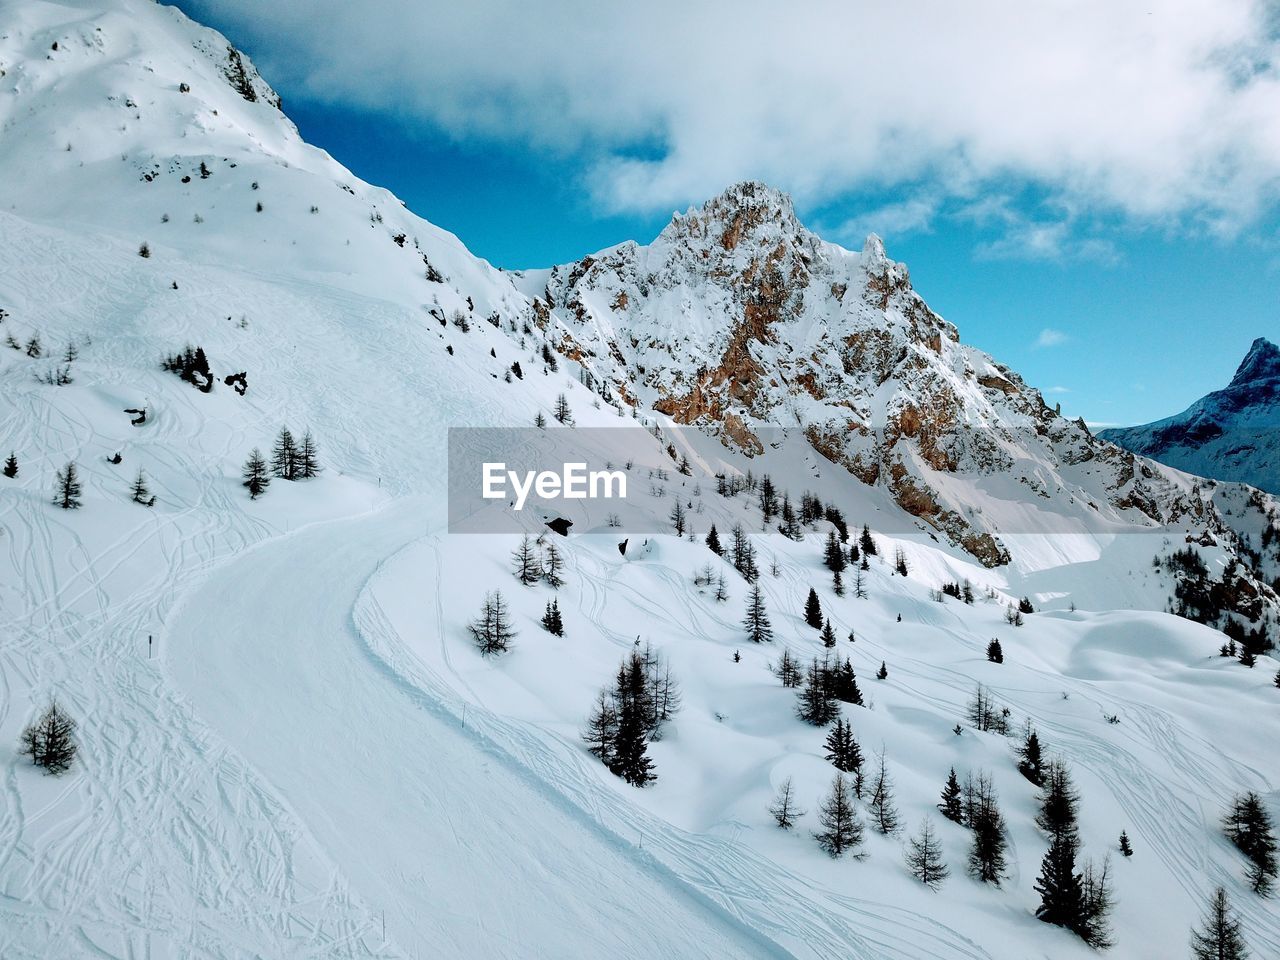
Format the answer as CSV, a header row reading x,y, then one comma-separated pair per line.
x,y
1158,113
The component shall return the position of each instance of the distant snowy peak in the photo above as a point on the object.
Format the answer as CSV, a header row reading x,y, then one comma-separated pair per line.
x,y
1260,364
1230,434
739,320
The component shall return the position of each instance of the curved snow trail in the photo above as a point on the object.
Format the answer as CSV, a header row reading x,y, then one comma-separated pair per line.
x,y
460,849
806,918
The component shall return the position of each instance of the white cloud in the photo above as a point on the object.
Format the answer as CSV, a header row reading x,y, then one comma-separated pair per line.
x,y
1058,390
1159,112
1051,338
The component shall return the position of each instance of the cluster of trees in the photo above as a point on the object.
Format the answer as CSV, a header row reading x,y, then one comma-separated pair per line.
x,y
538,560
826,685
976,805
840,830
630,714
985,714
191,365
289,461
1248,826
1078,899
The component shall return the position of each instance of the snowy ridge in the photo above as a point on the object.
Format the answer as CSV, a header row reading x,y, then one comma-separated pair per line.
x,y
736,319
284,770
1231,434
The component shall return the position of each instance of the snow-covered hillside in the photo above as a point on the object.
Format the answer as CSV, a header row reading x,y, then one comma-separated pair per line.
x,y
289,744
1230,434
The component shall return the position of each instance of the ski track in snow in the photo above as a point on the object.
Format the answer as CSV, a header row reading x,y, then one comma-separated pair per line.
x,y
801,916
512,847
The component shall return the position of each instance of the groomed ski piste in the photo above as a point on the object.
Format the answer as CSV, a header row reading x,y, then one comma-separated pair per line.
x,y
311,759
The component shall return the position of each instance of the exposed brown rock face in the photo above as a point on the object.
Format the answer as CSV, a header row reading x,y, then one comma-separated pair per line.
x,y
737,319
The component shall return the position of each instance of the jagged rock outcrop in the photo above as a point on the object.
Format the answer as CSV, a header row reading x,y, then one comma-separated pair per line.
x,y
739,320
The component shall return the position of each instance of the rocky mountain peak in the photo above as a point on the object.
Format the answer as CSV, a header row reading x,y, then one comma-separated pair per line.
x,y
1262,362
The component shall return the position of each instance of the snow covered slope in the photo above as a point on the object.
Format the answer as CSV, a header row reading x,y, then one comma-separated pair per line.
x,y
289,745
1230,434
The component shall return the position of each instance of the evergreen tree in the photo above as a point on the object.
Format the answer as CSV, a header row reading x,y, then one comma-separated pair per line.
x,y
602,728
833,554
859,586
1095,927
816,704
884,813
722,592
1219,937
713,542
630,748
756,622
1247,656
540,421
854,555
524,557
50,741
828,635
284,456
1125,847
1030,761
255,475
841,829
308,462
492,630
813,610
784,809
11,466
844,684
66,488
562,413
551,621
987,854
842,749
1024,606
677,517
790,526
950,805
1059,885
788,671
743,555
140,492
900,561
553,565
1248,826
924,856
868,545
837,584
768,499
1059,801
883,672
995,653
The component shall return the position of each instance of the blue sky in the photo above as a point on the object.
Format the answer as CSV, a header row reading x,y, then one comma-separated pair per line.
x,y
1121,252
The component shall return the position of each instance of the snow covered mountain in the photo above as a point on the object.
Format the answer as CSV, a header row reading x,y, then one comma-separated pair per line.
x,y
289,744
737,318
1230,434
